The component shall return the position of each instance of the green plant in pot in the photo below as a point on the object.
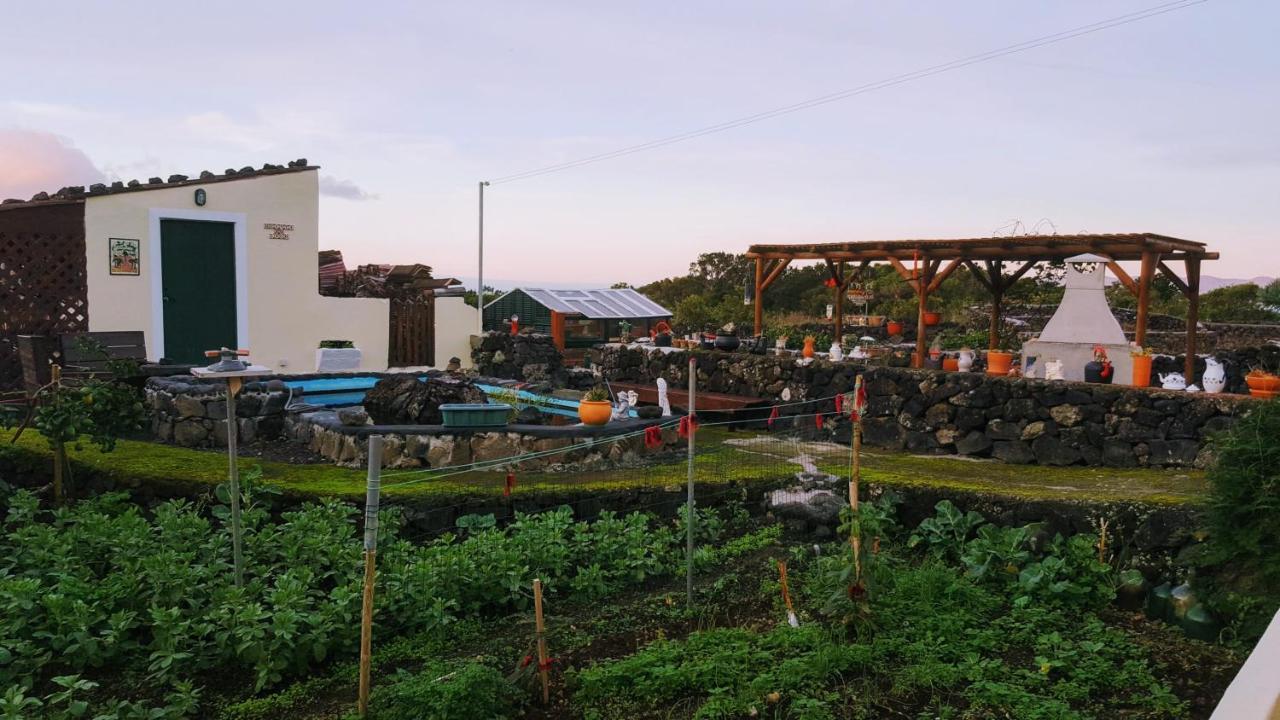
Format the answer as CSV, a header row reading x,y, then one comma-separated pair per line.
x,y
595,407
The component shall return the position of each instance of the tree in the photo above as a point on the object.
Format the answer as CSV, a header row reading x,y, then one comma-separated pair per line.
x,y
1237,304
490,294
692,314
1271,295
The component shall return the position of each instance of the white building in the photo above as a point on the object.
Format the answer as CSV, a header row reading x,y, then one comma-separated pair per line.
x,y
228,260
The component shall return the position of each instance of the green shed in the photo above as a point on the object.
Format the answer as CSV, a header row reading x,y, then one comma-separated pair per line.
x,y
576,318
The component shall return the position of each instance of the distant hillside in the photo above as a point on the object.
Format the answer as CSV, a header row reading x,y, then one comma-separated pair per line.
x,y
1209,282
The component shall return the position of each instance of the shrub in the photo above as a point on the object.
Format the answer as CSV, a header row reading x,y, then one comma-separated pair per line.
x,y
447,691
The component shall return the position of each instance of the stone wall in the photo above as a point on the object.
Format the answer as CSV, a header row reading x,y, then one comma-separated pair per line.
x,y
1045,422
434,446
1012,419
530,357
193,413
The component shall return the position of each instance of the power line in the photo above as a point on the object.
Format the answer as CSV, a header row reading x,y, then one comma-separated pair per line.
x,y
862,89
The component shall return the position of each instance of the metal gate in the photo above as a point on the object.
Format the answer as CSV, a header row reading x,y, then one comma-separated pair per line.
x,y
412,331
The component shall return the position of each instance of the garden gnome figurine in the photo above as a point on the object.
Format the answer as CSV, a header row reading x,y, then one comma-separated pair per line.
x,y
663,402
626,399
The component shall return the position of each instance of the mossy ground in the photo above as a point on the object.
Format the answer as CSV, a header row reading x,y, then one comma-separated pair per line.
x,y
724,459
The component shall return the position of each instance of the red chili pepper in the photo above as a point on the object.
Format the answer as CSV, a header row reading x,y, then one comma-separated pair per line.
x,y
546,665
840,403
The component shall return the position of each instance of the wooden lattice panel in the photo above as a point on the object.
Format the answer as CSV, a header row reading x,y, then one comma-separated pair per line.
x,y
42,278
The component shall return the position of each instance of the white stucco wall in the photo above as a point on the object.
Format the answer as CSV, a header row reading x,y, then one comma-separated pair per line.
x,y
455,324
281,315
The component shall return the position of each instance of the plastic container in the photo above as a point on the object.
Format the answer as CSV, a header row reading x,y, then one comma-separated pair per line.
x,y
1158,605
1199,624
472,415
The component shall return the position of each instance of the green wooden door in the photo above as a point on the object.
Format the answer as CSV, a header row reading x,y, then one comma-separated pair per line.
x,y
198,279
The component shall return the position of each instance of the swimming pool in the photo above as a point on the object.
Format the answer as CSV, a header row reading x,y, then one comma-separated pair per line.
x,y
347,391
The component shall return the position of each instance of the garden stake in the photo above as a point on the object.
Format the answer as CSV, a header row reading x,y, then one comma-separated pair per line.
x,y
792,620
855,473
543,665
233,480
60,450
1102,540
692,425
373,488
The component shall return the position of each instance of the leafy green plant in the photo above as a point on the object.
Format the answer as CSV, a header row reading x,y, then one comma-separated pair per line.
x,y
997,549
945,532
447,691
1070,573
596,394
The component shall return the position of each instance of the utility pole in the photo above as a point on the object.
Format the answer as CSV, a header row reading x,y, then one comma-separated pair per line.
x,y
480,278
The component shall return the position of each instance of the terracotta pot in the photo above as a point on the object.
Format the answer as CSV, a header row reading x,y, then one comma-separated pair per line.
x,y
998,362
1141,370
951,364
932,318
1268,394
1264,382
808,348
894,327
595,412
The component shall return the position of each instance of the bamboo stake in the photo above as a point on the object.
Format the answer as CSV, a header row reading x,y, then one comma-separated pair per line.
x,y
233,481
786,594
59,450
689,517
855,477
542,641
373,487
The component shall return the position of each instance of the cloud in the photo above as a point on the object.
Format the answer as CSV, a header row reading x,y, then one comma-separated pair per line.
x,y
334,187
33,161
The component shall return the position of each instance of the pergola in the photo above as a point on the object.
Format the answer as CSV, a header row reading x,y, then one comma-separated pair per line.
x,y
925,264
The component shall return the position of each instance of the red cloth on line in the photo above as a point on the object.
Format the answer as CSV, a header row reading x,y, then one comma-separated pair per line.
x,y
653,437
773,416
817,420
511,484
688,425
840,403
859,403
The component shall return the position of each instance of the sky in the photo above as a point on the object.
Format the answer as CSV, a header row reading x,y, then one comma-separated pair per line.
x,y
1167,125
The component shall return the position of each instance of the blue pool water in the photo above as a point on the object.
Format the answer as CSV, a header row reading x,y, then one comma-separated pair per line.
x,y
347,391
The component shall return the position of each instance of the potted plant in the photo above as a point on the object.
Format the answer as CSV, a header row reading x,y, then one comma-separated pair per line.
x,y
808,346
1262,384
1099,370
337,355
662,334
595,408
893,327
998,362
932,318
1141,366
726,339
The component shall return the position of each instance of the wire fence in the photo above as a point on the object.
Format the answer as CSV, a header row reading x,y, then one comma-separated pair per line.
x,y
783,450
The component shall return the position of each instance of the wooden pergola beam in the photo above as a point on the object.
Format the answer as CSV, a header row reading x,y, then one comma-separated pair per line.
x,y
1172,277
1149,260
1193,317
1123,277
943,275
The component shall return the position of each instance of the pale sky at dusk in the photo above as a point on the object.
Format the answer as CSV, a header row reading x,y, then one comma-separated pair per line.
x,y
1167,125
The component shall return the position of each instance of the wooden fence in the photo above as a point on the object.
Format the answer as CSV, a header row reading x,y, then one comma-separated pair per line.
x,y
42,278
412,331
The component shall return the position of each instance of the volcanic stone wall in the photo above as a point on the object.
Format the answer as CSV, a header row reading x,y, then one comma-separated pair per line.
x,y
193,413
1012,419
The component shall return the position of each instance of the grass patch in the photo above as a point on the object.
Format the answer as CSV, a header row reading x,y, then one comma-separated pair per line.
x,y
724,459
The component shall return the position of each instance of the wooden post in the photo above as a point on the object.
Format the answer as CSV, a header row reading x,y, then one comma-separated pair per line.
x,y
855,478
922,293
373,489
60,449
233,481
792,619
541,630
1144,297
692,414
758,299
1193,315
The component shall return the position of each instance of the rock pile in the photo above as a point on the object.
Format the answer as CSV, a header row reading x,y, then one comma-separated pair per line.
x,y
406,400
